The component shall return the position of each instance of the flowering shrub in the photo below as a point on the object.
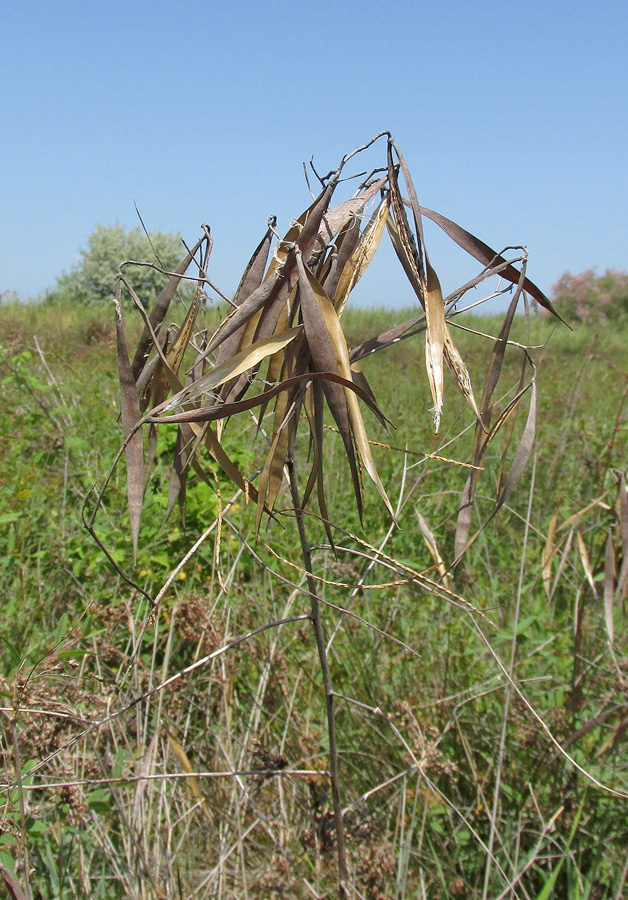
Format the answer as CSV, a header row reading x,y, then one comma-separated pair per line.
x,y
592,298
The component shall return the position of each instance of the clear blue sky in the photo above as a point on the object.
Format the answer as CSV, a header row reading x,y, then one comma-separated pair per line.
x,y
512,117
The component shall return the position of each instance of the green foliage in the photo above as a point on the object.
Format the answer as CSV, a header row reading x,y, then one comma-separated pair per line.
x,y
592,298
92,279
77,644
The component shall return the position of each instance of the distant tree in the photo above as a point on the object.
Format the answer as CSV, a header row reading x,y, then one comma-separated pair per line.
x,y
92,279
592,298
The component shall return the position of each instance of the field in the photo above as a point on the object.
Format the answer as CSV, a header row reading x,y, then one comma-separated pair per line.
x,y
182,751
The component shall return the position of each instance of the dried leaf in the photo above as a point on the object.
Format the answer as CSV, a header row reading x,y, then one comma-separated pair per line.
x,y
340,216
282,275
191,782
488,257
563,561
321,346
599,501
361,257
615,737
460,372
435,340
333,355
224,410
432,546
231,368
522,455
586,563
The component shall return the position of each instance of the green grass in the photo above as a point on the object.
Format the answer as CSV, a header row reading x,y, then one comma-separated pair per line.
x,y
78,644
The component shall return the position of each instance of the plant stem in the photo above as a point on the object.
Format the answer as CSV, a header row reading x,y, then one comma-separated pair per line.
x,y
319,632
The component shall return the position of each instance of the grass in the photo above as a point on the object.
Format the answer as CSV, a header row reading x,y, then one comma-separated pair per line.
x,y
452,786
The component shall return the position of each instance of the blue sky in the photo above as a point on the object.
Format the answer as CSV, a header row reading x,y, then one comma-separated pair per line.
x,y
512,117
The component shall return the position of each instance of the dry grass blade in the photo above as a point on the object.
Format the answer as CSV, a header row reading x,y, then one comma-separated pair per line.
x,y
609,586
191,782
617,734
599,501
130,416
432,546
548,554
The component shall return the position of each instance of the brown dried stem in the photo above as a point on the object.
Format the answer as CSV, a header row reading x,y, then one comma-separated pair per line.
x,y
321,644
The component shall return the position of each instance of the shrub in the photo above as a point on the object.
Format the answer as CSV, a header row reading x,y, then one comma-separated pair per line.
x,y
592,298
92,279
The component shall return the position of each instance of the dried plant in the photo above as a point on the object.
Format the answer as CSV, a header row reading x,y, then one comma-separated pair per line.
x,y
206,752
282,351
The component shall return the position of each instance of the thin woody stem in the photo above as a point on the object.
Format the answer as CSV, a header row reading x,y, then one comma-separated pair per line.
x,y
321,642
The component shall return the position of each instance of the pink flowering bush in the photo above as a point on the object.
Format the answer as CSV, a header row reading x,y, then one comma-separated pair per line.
x,y
592,298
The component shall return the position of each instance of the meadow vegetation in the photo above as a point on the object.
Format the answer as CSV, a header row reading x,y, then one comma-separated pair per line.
x,y
164,730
